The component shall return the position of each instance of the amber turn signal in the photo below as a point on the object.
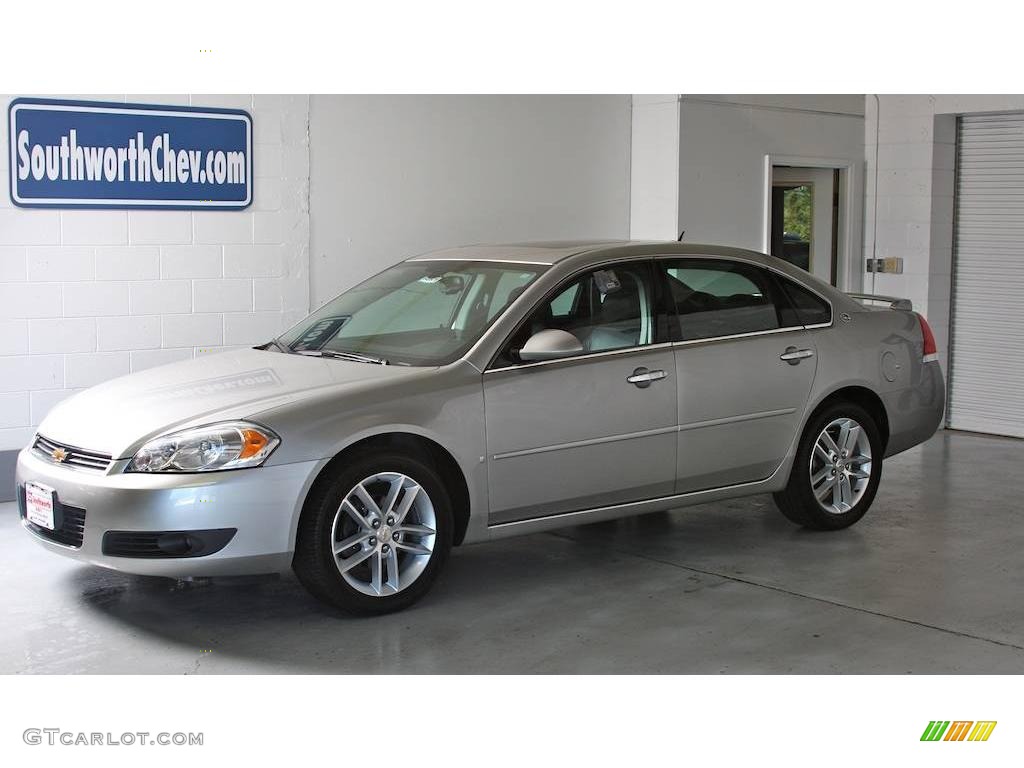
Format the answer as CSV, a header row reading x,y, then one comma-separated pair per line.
x,y
252,443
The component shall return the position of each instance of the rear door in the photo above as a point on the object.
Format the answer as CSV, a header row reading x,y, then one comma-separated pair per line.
x,y
744,365
592,429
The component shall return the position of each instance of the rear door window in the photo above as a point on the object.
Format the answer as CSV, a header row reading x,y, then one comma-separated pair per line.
x,y
718,297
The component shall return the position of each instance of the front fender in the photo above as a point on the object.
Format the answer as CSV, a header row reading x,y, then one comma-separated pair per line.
x,y
445,407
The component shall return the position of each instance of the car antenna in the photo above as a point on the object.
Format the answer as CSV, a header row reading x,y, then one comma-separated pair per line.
x,y
680,238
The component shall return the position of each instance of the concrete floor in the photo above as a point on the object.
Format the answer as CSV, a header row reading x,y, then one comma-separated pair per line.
x,y
931,581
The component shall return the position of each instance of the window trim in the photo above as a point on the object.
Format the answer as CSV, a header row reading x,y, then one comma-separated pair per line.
x,y
733,336
585,356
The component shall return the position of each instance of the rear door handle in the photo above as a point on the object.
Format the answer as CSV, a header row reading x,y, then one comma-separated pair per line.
x,y
793,356
642,377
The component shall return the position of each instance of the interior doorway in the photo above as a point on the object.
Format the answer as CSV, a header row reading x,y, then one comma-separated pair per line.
x,y
805,209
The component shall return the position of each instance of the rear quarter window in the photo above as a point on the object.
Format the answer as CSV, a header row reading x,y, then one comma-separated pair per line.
x,y
807,308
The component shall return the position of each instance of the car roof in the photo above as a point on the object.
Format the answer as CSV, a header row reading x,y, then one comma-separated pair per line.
x,y
581,253
552,252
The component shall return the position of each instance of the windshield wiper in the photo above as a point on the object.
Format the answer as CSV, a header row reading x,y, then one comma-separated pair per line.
x,y
275,343
335,355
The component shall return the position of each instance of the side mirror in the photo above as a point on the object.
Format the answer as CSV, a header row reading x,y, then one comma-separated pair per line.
x,y
550,344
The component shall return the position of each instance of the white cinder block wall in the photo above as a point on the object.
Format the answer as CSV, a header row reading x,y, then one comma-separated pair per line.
x,y
915,140
89,295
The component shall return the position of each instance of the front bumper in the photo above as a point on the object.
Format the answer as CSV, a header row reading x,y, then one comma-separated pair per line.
x,y
263,504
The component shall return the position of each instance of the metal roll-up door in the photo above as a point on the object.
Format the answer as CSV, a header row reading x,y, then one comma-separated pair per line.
x,y
986,383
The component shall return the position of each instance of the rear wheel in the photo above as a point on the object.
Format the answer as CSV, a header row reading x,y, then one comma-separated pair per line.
x,y
374,534
836,471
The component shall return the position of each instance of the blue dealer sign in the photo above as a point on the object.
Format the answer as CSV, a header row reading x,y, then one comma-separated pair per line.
x,y
79,154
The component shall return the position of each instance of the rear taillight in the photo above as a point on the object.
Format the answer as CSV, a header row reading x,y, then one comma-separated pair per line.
x,y
930,351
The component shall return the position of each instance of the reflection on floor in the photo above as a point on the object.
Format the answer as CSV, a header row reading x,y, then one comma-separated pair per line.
x,y
929,582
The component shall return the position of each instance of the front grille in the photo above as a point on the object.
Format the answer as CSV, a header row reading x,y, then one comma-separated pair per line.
x,y
72,522
79,458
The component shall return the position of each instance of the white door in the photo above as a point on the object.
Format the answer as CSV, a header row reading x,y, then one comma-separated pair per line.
x,y
986,383
820,182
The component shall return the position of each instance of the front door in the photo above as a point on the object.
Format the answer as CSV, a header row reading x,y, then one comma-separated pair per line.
x,y
744,366
591,429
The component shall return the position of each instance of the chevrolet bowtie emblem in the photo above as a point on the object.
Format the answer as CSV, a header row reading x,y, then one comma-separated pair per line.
x,y
58,454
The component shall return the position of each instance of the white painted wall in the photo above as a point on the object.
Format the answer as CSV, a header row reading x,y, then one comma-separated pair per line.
x,y
89,295
654,169
819,103
392,176
723,144
915,139
699,161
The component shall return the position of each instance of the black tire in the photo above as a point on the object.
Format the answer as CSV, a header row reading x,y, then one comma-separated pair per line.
x,y
314,561
797,501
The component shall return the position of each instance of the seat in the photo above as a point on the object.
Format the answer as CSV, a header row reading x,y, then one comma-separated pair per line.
x,y
617,324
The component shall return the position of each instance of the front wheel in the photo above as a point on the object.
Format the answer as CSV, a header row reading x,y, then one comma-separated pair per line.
x,y
836,471
374,534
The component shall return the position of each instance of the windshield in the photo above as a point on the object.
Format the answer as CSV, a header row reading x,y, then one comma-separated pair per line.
x,y
416,313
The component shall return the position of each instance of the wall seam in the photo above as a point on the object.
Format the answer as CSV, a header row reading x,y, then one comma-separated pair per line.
x,y
748,105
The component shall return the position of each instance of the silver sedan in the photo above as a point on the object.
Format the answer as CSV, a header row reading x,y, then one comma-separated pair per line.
x,y
482,392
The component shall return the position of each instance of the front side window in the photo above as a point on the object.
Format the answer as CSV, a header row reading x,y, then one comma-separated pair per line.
x,y
605,309
510,286
415,313
715,297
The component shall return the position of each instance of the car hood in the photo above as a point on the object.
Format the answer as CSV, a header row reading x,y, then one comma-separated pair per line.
x,y
117,416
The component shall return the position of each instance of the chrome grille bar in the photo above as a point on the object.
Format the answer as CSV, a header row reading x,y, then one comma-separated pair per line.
x,y
74,457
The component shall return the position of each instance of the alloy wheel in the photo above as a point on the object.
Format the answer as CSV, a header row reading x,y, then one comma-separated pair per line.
x,y
383,534
840,466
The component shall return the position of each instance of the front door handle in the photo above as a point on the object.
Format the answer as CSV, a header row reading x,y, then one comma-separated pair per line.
x,y
793,356
642,377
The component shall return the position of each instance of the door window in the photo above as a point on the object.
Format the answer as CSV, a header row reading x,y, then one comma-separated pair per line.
x,y
510,286
606,309
562,305
715,297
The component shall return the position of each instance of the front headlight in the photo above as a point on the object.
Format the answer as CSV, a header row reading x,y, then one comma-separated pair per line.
x,y
230,445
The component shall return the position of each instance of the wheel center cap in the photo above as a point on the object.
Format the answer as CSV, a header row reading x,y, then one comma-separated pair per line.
x,y
383,533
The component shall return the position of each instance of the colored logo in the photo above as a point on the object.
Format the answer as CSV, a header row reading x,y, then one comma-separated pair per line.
x,y
958,730
58,454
